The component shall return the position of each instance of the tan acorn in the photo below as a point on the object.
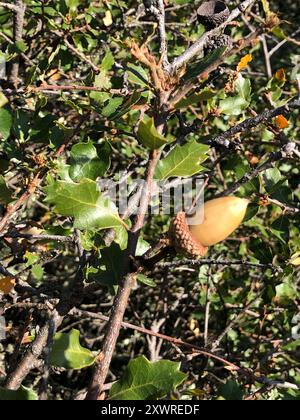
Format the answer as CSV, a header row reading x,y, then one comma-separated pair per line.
x,y
213,223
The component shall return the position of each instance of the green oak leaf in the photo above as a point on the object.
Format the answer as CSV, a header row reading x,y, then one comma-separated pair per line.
x,y
182,161
5,192
68,353
85,162
148,135
143,380
84,203
6,122
22,394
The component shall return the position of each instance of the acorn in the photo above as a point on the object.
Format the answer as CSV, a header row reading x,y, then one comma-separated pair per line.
x,y
211,224
212,14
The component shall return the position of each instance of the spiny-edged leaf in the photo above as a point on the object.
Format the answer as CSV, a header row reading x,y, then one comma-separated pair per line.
x,y
121,237
5,192
137,75
200,66
85,203
182,161
252,211
286,292
272,178
102,81
6,122
127,106
149,136
243,88
280,228
231,391
109,268
233,105
22,394
111,107
143,380
146,280
68,353
108,61
195,98
85,162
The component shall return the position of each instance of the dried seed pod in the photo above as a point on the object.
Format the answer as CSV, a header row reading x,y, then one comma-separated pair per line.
x,y
213,13
218,219
218,42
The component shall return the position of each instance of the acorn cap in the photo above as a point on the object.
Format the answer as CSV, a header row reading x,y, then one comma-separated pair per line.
x,y
213,13
182,239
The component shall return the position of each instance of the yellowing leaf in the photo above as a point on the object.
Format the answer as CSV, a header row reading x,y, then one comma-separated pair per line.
x,y
281,122
280,76
243,64
108,20
7,284
295,259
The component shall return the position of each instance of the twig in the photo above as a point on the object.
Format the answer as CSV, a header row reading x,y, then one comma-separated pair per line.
x,y
81,55
46,87
283,42
198,46
222,139
24,56
45,335
286,152
12,209
18,36
172,340
9,6
161,19
232,323
55,238
215,261
237,47
267,56
15,379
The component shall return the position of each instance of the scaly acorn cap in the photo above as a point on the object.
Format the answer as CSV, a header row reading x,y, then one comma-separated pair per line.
x,y
182,240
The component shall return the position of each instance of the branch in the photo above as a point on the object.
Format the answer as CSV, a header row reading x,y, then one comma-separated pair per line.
x,y
45,335
12,7
223,139
198,46
124,290
18,36
286,152
237,47
12,209
55,238
152,333
160,15
203,261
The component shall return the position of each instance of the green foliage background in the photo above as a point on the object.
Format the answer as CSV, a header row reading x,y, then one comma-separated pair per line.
x,y
73,136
